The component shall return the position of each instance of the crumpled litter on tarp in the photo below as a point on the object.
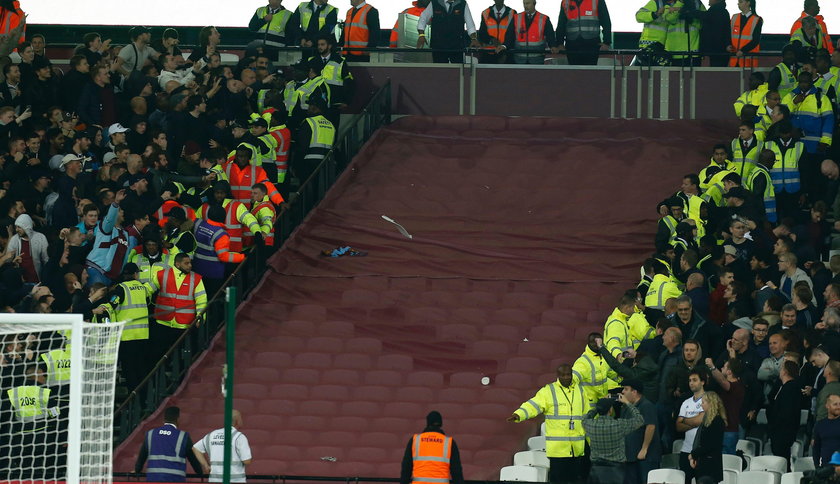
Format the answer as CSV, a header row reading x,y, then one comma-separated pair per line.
x,y
344,251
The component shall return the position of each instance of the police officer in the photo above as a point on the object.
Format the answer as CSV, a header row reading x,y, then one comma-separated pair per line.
x,y
564,405
129,301
35,411
168,448
431,457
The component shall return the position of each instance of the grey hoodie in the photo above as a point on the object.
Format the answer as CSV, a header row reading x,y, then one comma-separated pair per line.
x,y
37,243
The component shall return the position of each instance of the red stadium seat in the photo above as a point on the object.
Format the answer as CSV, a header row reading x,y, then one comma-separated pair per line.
x,y
325,344
297,327
560,316
308,312
469,315
353,361
300,375
353,423
431,379
313,360
361,409
274,359
329,392
458,395
527,364
306,422
489,348
359,297
369,393
517,380
426,315
503,332
319,407
552,334
291,391
466,379
460,332
395,362
388,378
367,346
340,329
340,377
414,394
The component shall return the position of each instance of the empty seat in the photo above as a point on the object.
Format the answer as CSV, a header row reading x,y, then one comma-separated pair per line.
x,y
527,364
367,346
350,422
730,476
465,379
559,316
337,328
732,462
676,447
526,300
325,344
792,477
257,375
273,406
757,477
489,348
551,334
439,298
353,361
426,315
395,362
523,473
309,312
313,360
770,463
373,393
803,464
537,443
297,327
747,447
319,407
361,409
458,332
538,348
666,476
300,375
388,378
367,454
333,437
340,377
534,458
513,317
514,380
414,394
431,379
329,392
276,359
458,395
480,299
469,315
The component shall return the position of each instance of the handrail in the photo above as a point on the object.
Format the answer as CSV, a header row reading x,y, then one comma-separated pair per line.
x,y
158,383
284,478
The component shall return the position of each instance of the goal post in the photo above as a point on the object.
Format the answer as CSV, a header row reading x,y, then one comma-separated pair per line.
x,y
58,382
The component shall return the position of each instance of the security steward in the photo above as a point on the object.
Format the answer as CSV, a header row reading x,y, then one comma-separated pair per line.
x,y
448,19
213,250
361,30
496,32
661,289
167,449
315,139
579,30
534,33
263,210
178,237
181,298
269,26
130,301
431,457
237,215
592,372
311,19
564,405
617,337
35,411
332,67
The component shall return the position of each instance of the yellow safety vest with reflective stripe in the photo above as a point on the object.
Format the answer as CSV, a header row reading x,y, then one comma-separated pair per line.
x,y
564,409
617,333
134,310
30,405
769,195
744,163
714,193
756,97
147,268
306,15
58,366
278,20
661,289
592,373
692,209
640,329
174,250
702,175
322,140
789,82
655,29
290,96
304,92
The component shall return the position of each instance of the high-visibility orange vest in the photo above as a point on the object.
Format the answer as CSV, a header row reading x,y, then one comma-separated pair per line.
x,y
431,453
829,45
356,32
242,179
742,37
176,302
232,224
169,205
497,28
582,21
283,137
263,207
395,36
9,20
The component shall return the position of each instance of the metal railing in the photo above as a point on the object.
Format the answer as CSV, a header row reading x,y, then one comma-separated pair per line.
x,y
170,371
283,479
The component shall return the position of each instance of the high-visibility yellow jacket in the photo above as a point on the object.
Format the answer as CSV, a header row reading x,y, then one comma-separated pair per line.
x,y
661,289
594,375
617,333
564,409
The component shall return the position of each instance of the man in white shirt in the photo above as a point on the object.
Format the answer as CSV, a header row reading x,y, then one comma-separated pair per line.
x,y
448,19
170,72
213,445
690,418
133,56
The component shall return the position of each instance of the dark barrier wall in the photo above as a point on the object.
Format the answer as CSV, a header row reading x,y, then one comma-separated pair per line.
x,y
597,91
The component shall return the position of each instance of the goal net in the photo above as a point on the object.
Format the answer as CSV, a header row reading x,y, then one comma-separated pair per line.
x,y
57,378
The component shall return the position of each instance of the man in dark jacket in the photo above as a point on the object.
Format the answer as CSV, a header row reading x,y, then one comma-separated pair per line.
x,y
783,411
73,82
715,33
643,369
693,326
97,103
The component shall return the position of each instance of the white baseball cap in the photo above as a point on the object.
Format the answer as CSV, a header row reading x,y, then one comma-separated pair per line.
x,y
116,128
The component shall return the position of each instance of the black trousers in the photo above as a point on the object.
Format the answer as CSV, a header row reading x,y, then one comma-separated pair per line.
x,y
31,456
685,466
565,470
162,338
810,176
134,361
606,473
447,57
583,52
357,58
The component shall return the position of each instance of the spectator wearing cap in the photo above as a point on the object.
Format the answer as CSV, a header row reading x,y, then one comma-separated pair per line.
x,y
111,244
607,437
133,56
97,103
116,136
740,203
138,197
29,248
168,44
643,446
422,459
188,164
213,249
42,92
64,211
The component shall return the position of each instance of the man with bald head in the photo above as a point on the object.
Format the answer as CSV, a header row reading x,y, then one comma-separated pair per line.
x,y
738,347
695,288
213,446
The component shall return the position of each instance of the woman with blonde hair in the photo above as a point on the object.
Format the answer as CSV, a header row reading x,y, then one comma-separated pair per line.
x,y
708,444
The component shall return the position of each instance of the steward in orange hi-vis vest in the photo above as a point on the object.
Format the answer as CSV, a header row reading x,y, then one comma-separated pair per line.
x,y
431,457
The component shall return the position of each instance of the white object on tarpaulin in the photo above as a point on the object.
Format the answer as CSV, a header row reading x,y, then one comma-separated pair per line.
x,y
399,227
